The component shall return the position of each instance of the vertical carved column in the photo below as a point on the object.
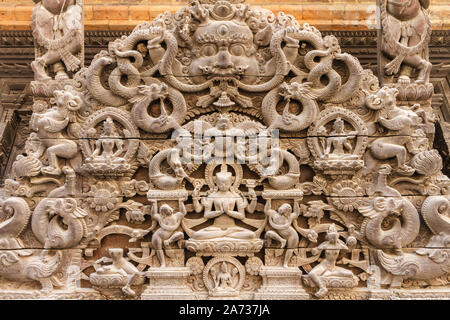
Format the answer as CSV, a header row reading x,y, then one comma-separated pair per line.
x,y
51,254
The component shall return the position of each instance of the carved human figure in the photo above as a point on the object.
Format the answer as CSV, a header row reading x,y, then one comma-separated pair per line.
x,y
223,280
327,267
338,142
180,153
109,146
285,227
224,205
57,29
118,265
50,125
406,31
281,222
169,222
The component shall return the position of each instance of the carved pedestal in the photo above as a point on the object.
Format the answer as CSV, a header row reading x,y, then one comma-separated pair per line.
x,y
281,283
168,283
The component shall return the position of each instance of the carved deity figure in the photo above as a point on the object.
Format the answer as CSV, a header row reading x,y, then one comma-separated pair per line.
x,y
50,125
327,267
224,49
406,32
223,280
338,142
58,32
169,222
109,146
228,141
224,205
118,266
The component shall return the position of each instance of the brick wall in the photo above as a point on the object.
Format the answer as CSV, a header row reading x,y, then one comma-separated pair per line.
x,y
126,14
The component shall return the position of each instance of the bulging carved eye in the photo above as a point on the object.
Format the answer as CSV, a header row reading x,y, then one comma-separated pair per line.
x,y
237,49
209,50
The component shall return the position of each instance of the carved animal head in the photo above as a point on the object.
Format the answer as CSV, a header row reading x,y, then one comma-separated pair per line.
x,y
67,99
223,122
332,44
154,91
381,207
384,99
115,253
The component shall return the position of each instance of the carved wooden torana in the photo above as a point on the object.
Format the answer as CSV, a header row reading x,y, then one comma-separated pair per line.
x,y
226,152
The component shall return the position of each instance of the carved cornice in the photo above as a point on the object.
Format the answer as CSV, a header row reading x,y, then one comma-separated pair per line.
x,y
17,48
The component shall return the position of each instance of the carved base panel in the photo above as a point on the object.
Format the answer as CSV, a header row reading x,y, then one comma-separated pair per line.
x,y
414,91
225,246
333,282
167,284
421,294
79,294
281,284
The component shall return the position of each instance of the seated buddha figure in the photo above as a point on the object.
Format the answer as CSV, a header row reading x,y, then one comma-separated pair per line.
x,y
224,205
109,147
337,144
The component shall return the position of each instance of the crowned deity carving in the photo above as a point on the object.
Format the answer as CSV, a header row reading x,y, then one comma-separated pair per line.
x,y
223,279
57,28
327,268
338,142
109,147
224,205
228,141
